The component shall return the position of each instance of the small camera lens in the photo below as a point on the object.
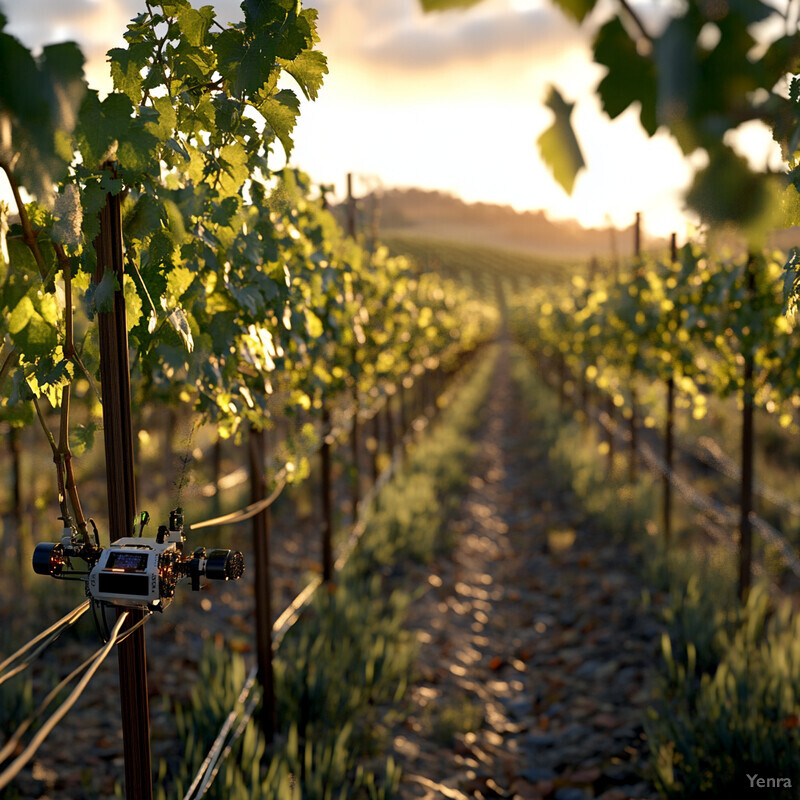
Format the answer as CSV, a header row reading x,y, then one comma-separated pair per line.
x,y
224,565
48,558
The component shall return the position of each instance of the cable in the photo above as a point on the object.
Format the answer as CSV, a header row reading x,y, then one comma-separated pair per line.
x,y
247,714
710,453
14,768
13,741
216,748
49,636
721,514
248,511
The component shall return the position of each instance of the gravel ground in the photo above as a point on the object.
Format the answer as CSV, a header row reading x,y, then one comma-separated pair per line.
x,y
532,632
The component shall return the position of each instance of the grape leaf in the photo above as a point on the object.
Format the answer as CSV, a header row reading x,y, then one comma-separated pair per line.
x,y
577,9
104,293
126,68
558,145
21,315
630,77
281,112
308,69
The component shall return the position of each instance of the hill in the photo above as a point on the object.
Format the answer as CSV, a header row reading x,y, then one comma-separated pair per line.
x,y
432,214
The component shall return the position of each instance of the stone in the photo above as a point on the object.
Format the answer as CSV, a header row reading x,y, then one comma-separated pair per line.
x,y
538,773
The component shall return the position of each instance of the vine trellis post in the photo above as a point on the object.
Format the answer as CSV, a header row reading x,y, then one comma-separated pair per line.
x,y
746,489
262,583
669,430
121,486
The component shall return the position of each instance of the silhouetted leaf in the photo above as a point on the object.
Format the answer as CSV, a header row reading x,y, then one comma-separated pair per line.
x,y
558,145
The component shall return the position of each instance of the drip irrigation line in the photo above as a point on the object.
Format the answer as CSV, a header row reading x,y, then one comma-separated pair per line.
x,y
249,511
202,780
334,432
14,768
711,454
721,514
213,769
43,640
15,738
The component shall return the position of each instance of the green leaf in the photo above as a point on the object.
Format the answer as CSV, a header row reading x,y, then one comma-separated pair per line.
x,y
281,112
62,65
81,438
37,338
558,145
630,77
21,315
229,45
309,70
177,318
25,95
112,120
104,293
728,191
143,219
126,68
233,160
194,24
750,10
161,249
42,97
133,303
577,9
256,64
178,282
167,119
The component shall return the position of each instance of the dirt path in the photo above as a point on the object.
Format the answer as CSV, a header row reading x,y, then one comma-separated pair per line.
x,y
533,626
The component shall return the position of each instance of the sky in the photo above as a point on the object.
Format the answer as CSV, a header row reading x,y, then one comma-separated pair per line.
x,y
450,101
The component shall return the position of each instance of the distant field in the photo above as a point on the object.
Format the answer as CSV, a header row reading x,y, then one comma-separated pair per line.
x,y
447,255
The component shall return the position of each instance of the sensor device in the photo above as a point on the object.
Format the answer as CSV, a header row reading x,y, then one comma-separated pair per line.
x,y
135,572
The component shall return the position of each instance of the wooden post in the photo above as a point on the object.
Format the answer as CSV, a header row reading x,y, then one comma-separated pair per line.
x,y
327,498
262,584
216,473
634,436
669,430
121,488
401,401
389,427
637,252
356,461
746,489
610,409
668,458
375,217
376,453
351,207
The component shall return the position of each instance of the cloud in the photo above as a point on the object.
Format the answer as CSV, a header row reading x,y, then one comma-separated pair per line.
x,y
96,25
535,34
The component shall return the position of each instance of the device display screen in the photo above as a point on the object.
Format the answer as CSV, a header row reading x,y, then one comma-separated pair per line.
x,y
127,562
111,583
